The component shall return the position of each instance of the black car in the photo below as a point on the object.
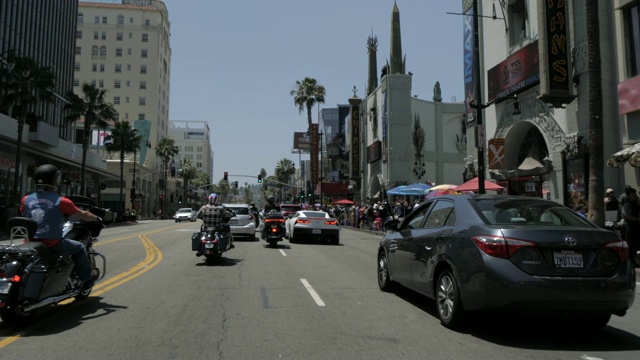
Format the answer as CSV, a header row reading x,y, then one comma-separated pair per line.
x,y
482,252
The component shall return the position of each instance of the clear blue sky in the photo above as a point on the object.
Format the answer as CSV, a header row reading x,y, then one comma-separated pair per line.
x,y
235,62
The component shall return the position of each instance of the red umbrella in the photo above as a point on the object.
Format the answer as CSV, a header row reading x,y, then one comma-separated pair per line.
x,y
472,185
343,202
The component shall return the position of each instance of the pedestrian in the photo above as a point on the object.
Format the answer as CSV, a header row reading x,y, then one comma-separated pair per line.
x,y
581,211
631,216
611,203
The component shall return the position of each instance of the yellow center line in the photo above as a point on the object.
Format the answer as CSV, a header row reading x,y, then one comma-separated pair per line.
x,y
154,257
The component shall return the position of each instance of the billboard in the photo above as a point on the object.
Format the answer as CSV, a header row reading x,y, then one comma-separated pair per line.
x,y
514,74
301,142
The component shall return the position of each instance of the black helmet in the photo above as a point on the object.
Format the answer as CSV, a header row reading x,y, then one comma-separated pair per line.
x,y
47,175
272,200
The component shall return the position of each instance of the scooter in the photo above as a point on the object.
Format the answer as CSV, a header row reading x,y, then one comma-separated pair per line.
x,y
33,277
273,229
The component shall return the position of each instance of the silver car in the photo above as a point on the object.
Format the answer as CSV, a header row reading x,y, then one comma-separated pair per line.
x,y
243,224
185,214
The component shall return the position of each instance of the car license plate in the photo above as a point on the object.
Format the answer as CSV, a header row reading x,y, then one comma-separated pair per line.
x,y
208,245
316,231
4,288
568,259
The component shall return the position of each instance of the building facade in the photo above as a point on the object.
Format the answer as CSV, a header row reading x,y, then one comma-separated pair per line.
x,y
542,150
50,42
125,49
193,139
402,139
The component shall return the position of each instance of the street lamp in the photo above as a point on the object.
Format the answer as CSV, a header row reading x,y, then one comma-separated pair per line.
x,y
135,176
321,178
477,103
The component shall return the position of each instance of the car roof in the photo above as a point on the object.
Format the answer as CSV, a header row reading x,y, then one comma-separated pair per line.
x,y
235,205
181,209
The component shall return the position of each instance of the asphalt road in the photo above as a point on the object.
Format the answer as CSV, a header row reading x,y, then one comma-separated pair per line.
x,y
298,301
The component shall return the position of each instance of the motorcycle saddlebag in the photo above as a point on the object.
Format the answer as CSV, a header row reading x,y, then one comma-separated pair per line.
x,y
34,282
196,241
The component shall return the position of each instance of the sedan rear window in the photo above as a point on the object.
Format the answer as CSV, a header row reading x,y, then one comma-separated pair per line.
x,y
527,212
240,210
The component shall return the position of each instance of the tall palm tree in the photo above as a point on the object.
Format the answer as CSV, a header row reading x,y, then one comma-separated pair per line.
x,y
596,159
307,93
123,139
96,111
166,149
21,87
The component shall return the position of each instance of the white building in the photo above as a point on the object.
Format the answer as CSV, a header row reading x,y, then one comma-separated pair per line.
x,y
125,49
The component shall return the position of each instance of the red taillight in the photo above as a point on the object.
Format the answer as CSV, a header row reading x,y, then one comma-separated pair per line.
x,y
274,230
499,246
15,279
621,248
331,222
301,221
273,220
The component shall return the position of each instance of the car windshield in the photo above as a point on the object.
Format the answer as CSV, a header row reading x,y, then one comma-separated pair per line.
x,y
527,211
239,210
185,210
315,214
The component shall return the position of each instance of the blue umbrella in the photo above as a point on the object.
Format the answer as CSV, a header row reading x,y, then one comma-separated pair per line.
x,y
419,186
406,190
397,190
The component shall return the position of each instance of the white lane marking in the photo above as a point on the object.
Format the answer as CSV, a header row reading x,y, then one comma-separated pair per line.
x,y
283,253
586,357
312,292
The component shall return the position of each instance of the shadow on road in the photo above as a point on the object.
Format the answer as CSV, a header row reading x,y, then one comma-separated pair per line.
x,y
528,332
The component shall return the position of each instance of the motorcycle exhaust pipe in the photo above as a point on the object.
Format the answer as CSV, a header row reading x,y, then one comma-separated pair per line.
x,y
50,301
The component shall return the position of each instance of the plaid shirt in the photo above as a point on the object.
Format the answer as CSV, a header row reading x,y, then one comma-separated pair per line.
x,y
213,216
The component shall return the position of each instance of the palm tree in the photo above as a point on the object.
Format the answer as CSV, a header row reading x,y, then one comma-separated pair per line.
x,y
123,139
93,107
188,173
283,172
307,93
166,149
21,88
596,159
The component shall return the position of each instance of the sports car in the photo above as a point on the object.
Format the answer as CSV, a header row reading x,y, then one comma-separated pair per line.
x,y
313,225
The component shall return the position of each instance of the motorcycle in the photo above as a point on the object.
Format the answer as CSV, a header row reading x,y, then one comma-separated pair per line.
x,y
212,242
273,227
33,277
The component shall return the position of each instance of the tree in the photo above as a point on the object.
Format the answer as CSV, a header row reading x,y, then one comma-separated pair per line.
x,y
96,111
188,173
283,172
166,149
123,139
307,93
596,159
22,87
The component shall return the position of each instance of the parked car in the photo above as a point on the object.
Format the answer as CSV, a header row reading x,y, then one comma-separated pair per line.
x,y
243,224
481,252
289,209
184,214
313,225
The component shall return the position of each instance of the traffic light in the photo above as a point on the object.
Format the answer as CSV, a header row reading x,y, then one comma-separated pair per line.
x,y
226,176
235,184
161,198
173,171
180,199
260,179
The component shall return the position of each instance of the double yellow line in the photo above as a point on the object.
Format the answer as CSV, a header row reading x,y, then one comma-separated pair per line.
x,y
153,258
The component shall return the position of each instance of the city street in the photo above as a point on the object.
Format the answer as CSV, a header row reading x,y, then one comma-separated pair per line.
x,y
297,301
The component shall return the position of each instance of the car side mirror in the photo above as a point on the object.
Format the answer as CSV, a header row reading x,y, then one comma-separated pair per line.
x,y
392,224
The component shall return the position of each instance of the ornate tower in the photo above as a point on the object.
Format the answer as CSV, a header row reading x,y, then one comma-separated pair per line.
x,y
397,61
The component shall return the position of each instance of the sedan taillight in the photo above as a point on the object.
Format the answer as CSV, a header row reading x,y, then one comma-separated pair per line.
x,y
300,221
331,222
499,246
621,248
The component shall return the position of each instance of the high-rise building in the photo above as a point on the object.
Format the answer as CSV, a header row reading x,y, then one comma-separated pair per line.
x,y
49,41
125,49
193,139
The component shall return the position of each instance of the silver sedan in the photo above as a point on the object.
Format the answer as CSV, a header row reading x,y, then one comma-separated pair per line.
x,y
313,225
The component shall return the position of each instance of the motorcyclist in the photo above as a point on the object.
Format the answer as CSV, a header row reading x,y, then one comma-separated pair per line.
x,y
48,209
256,214
272,204
212,215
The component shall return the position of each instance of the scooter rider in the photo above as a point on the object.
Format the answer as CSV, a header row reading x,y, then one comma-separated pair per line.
x,y
272,204
213,215
48,208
